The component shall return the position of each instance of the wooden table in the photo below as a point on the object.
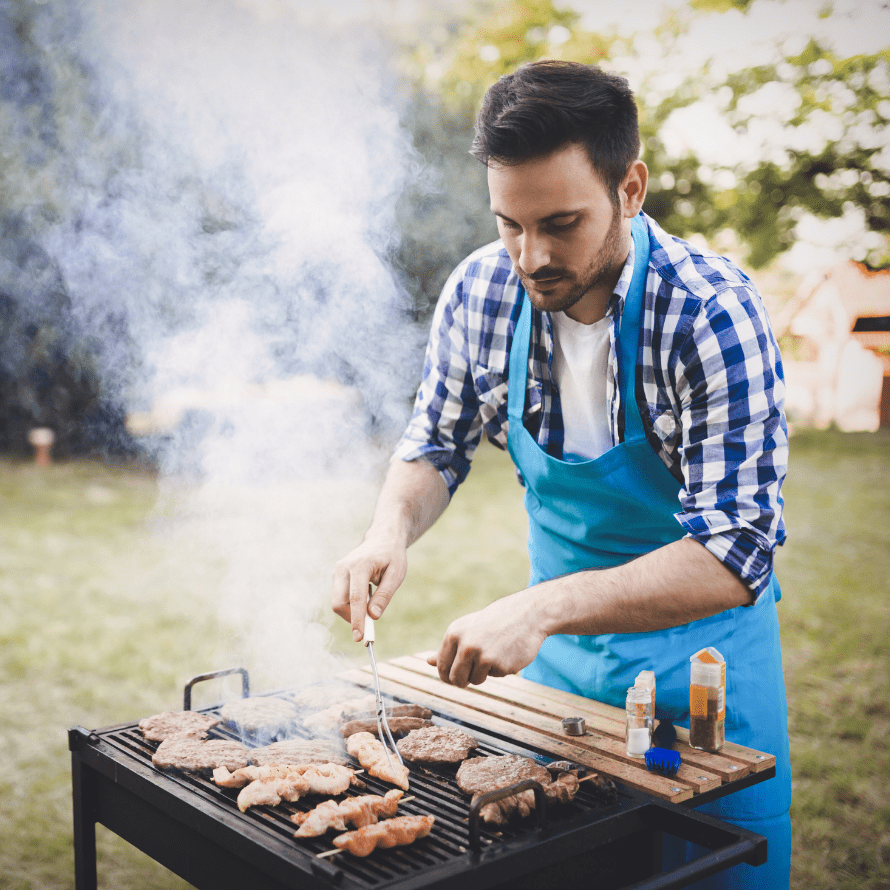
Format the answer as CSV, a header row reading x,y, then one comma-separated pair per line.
x,y
532,715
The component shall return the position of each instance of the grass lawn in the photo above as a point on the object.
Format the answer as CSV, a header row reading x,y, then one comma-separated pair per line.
x,y
98,625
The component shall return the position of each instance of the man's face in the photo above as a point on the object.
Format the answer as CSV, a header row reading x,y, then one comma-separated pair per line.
x,y
567,237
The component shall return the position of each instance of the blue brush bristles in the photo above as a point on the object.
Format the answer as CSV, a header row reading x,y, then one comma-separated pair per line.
x,y
661,760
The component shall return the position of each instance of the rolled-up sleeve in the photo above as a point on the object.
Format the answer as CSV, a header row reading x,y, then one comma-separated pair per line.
x,y
446,424
734,452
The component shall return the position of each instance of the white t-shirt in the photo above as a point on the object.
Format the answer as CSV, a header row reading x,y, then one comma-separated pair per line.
x,y
580,367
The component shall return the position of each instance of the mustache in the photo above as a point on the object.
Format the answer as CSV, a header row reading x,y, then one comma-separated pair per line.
x,y
542,274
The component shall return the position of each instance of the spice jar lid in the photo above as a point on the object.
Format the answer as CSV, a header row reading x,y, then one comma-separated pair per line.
x,y
706,674
574,726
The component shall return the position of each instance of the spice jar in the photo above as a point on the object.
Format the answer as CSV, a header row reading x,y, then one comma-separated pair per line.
x,y
640,721
707,700
647,679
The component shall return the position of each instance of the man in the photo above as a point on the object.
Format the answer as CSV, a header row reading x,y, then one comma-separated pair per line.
x,y
637,385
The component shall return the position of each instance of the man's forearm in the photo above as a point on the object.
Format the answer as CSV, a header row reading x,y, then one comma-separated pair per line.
x,y
413,497
673,585
676,584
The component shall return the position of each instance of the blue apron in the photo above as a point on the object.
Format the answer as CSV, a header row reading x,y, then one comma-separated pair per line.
x,y
600,513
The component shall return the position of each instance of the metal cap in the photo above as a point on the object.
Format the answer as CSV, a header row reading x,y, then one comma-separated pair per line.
x,y
574,726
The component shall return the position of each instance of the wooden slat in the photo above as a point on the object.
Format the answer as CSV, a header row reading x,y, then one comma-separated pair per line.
x,y
695,777
733,761
535,697
633,776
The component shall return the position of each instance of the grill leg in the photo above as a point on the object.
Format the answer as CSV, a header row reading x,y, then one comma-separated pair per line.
x,y
84,826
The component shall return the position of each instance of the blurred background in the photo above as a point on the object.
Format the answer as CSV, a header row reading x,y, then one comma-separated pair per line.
x,y
224,225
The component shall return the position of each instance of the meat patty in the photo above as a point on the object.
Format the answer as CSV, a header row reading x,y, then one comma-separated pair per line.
x,y
171,723
194,755
297,751
267,714
397,725
483,774
436,744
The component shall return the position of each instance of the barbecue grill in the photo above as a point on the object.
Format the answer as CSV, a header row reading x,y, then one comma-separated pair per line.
x,y
195,829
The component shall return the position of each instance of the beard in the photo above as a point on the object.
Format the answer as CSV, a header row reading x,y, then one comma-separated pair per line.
x,y
604,268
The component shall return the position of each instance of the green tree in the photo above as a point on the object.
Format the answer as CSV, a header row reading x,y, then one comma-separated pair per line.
x,y
762,199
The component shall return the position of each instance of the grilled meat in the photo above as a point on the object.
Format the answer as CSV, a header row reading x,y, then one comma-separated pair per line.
x,y
328,720
397,725
195,755
483,774
174,723
498,812
357,811
270,792
266,714
269,785
299,751
371,754
436,744
392,833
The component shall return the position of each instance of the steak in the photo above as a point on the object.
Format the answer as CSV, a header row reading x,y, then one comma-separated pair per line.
x,y
483,774
172,723
436,744
266,714
194,755
299,751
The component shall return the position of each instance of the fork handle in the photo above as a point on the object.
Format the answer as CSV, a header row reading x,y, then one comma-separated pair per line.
x,y
368,636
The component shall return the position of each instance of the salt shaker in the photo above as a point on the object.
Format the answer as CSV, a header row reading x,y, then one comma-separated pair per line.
x,y
640,721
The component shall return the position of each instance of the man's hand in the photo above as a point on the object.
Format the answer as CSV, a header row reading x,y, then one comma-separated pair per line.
x,y
501,639
412,498
374,561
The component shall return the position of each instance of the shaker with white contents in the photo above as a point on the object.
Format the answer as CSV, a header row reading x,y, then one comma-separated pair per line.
x,y
640,721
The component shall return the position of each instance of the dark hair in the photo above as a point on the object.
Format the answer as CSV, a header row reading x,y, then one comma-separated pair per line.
x,y
543,106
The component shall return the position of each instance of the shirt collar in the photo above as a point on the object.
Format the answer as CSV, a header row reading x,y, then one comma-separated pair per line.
x,y
623,285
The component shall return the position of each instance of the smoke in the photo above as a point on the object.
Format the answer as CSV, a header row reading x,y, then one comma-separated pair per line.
x,y
222,178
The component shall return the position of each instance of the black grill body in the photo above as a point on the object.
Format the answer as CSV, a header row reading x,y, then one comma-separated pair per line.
x,y
195,829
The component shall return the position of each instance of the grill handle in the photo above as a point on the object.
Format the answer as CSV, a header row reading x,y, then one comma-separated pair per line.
x,y
728,844
187,691
500,794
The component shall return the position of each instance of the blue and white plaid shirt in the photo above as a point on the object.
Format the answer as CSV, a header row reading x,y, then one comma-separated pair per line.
x,y
709,388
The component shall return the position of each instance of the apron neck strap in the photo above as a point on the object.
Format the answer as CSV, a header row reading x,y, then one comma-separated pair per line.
x,y
629,332
628,340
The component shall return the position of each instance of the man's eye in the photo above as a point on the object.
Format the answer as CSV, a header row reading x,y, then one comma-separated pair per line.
x,y
509,225
563,226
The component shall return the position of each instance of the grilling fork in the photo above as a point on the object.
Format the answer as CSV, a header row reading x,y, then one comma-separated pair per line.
x,y
383,732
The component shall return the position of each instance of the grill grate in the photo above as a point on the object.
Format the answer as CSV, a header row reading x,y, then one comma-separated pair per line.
x,y
432,787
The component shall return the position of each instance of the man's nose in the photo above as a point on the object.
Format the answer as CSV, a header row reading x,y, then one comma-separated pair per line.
x,y
535,253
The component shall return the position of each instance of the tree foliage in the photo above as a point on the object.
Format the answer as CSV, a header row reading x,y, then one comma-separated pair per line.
x,y
830,158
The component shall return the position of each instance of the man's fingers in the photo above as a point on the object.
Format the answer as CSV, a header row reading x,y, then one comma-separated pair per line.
x,y
340,592
358,603
444,657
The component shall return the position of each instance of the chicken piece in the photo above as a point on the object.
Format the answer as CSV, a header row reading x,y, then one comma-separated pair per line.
x,y
357,811
371,754
499,812
367,809
326,778
395,832
244,776
325,816
270,792
563,789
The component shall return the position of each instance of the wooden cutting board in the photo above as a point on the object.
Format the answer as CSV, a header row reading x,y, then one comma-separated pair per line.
x,y
532,714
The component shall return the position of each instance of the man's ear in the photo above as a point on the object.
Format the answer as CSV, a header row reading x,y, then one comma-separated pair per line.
x,y
632,190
